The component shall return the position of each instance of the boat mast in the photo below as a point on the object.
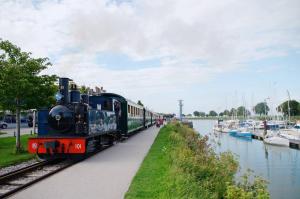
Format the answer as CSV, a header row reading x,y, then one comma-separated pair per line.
x,y
289,108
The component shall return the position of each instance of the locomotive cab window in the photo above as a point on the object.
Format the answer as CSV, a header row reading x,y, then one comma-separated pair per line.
x,y
107,105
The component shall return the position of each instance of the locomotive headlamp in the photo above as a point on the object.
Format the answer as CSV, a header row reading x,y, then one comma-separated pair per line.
x,y
57,117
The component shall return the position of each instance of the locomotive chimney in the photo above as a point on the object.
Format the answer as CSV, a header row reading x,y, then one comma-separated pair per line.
x,y
64,90
74,94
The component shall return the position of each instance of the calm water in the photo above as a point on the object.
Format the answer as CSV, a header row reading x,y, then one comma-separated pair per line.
x,y
280,166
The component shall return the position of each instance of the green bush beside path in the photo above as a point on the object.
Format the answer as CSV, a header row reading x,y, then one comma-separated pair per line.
x,y
181,164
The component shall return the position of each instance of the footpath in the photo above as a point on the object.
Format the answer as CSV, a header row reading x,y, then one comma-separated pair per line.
x,y
106,175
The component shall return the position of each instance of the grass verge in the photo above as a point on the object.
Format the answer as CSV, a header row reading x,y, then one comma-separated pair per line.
x,y
8,156
181,164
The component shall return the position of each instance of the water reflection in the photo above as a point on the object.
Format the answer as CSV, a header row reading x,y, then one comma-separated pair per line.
x,y
278,165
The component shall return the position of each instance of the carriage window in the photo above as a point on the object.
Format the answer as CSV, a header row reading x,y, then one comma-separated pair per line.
x,y
128,108
107,105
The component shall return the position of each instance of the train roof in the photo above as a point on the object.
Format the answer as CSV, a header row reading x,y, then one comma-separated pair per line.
x,y
135,104
121,98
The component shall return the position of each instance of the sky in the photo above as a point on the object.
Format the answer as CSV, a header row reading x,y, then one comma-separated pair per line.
x,y
212,54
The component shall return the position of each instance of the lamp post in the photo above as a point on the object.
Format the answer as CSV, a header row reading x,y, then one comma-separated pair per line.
x,y
180,109
34,120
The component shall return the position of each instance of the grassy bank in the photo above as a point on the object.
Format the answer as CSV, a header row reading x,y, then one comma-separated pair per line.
x,y
181,164
7,151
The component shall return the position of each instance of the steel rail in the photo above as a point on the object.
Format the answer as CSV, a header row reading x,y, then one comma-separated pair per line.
x,y
21,173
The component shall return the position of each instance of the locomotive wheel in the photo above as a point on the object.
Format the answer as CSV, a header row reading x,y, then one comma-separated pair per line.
x,y
42,157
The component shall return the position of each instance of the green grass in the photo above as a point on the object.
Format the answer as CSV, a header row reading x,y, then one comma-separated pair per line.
x,y
7,151
150,180
181,164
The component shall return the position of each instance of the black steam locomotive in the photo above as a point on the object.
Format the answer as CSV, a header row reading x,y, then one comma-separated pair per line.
x,y
79,123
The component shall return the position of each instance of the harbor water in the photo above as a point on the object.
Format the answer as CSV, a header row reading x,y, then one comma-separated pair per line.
x,y
280,166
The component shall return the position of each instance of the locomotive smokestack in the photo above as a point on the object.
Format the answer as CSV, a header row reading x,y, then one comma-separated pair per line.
x,y
64,90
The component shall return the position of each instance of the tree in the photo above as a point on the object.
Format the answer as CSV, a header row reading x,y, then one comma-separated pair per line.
x,y
261,108
199,114
21,85
140,103
226,112
213,113
196,113
84,90
202,114
294,108
242,111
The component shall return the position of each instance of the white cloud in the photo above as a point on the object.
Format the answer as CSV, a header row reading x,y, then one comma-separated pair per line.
x,y
222,34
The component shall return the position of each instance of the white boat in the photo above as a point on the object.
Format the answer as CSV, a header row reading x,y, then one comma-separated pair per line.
x,y
291,133
276,140
259,125
297,127
217,128
289,136
226,130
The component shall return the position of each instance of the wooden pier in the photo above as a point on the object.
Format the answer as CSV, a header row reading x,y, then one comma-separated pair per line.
x,y
295,144
258,136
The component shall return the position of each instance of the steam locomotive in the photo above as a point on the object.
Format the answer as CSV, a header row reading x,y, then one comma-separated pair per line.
x,y
79,123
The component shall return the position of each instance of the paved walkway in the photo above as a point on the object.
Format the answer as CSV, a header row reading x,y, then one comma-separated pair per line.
x,y
106,175
10,132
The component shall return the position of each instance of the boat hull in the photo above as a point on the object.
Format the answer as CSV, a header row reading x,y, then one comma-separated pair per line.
x,y
277,141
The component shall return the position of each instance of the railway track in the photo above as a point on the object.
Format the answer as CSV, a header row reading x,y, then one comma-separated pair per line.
x,y
17,180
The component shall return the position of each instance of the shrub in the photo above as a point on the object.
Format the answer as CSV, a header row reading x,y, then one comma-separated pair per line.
x,y
196,171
